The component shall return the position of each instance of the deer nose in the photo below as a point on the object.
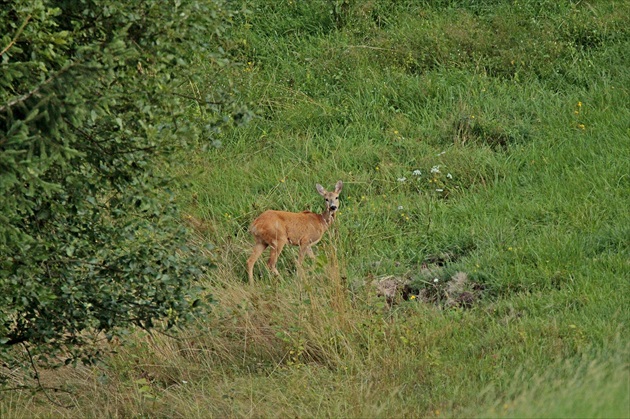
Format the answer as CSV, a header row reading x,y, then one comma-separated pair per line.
x,y
333,207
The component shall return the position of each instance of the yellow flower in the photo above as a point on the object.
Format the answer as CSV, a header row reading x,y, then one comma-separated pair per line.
x,y
581,126
579,104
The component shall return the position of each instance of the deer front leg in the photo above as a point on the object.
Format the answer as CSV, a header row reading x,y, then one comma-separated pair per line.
x,y
309,252
305,249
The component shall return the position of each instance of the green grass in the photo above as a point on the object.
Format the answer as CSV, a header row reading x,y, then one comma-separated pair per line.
x,y
524,108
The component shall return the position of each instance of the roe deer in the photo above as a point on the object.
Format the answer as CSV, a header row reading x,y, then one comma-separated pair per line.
x,y
276,228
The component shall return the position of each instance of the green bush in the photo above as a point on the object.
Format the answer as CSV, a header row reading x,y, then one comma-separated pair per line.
x,y
94,99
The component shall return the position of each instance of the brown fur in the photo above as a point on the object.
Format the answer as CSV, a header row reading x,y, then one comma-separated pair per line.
x,y
275,229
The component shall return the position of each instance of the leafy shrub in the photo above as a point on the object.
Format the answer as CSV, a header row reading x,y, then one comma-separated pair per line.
x,y
92,96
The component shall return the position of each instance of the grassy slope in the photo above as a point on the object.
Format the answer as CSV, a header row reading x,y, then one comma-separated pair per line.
x,y
524,108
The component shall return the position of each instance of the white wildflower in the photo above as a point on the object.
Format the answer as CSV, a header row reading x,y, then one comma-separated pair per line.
x,y
436,280
442,153
416,172
402,179
439,190
400,207
448,175
435,169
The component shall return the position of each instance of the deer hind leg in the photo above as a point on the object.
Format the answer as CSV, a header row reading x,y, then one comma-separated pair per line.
x,y
276,249
259,247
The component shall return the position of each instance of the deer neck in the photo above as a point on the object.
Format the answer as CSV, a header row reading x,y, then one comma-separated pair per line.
x,y
327,218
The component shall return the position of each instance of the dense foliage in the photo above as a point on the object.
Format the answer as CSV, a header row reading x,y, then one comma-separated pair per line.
x,y
92,95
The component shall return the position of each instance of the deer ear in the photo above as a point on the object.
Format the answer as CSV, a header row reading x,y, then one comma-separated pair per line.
x,y
320,189
338,186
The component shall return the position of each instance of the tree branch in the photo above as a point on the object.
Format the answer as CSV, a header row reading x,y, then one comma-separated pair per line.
x,y
37,89
39,383
15,38
15,341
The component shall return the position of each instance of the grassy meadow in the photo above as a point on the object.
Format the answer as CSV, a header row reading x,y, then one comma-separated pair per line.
x,y
485,142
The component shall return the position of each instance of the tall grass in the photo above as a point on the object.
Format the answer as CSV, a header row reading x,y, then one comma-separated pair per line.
x,y
485,138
